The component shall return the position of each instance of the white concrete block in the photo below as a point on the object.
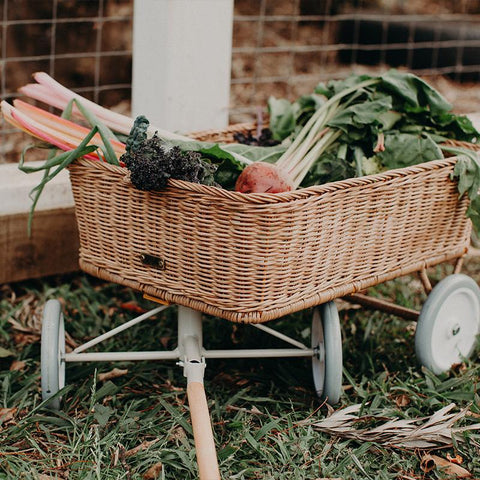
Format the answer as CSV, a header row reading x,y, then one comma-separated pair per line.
x,y
16,185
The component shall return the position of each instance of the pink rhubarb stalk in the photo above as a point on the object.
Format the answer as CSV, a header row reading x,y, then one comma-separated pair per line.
x,y
34,128
49,91
64,126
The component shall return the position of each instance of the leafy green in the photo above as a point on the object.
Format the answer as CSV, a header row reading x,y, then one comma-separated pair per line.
x,y
215,152
387,122
371,165
361,114
286,117
333,87
418,94
467,170
405,149
227,172
474,213
258,154
330,167
282,117
460,125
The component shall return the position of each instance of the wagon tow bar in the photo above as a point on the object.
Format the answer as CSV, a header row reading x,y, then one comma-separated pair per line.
x,y
193,363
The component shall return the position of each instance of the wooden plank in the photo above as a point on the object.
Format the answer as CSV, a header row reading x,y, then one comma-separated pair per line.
x,y
53,246
383,305
52,249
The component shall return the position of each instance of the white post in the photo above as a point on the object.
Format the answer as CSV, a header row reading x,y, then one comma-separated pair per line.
x,y
181,63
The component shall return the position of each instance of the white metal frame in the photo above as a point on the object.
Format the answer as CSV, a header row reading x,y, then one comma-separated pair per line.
x,y
189,353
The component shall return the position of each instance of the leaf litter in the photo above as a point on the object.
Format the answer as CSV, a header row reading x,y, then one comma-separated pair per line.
x,y
434,431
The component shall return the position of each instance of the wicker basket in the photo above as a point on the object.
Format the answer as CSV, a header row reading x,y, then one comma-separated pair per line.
x,y
255,257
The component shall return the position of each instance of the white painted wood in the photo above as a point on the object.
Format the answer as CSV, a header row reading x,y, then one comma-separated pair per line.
x,y
181,63
16,185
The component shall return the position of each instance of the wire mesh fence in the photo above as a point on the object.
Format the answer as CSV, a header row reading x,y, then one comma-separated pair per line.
x,y
280,47
286,48
86,45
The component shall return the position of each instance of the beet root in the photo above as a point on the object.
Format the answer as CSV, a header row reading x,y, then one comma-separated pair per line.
x,y
263,177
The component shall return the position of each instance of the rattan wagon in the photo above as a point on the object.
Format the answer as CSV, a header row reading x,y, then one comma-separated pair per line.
x,y
252,258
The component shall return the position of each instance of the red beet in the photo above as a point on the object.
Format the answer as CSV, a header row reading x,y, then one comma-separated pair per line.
x,y
262,177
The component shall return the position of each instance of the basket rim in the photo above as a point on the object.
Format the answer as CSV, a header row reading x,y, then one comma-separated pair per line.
x,y
269,198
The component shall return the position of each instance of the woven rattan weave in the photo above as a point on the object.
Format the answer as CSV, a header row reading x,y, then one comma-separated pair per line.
x,y
256,257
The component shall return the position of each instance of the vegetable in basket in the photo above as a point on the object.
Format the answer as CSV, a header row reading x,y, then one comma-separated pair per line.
x,y
362,126
152,161
359,126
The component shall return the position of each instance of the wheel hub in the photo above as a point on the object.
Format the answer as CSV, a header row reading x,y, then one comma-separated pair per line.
x,y
455,330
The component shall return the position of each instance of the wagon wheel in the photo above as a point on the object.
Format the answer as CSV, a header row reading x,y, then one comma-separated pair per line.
x,y
327,360
52,352
448,323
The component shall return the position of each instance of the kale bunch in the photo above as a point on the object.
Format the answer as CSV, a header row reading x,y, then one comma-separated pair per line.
x,y
152,161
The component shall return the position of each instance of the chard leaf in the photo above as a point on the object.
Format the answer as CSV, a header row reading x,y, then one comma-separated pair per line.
x,y
417,93
459,127
335,86
227,173
361,114
387,120
305,107
286,117
258,154
473,213
330,167
467,170
371,165
282,118
405,149
213,151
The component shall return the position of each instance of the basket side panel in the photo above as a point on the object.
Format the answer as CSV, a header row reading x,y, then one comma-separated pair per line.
x,y
254,261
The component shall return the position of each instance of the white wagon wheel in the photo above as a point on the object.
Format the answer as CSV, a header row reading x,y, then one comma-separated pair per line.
x,y
327,360
52,352
448,323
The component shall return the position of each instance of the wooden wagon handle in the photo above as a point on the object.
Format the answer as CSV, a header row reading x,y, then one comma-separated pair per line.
x,y
202,432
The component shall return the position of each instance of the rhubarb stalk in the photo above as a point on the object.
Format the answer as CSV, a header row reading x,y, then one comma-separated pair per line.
x,y
51,92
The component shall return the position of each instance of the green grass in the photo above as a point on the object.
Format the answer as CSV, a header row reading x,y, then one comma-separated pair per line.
x,y
257,406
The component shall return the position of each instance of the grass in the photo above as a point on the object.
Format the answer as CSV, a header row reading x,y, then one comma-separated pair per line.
x,y
137,426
